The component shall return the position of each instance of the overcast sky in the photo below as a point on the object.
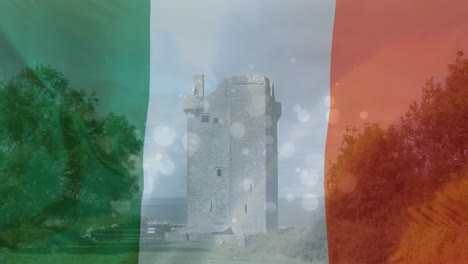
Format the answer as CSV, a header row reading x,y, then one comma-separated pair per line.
x,y
288,41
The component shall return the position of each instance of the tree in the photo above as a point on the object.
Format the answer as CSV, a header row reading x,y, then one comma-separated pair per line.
x,y
62,162
380,175
437,231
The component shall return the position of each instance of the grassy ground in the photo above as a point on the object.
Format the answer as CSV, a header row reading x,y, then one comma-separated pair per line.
x,y
122,248
99,253
191,252
157,252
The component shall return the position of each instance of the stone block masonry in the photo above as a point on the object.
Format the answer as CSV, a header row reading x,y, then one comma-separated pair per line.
x,y
232,158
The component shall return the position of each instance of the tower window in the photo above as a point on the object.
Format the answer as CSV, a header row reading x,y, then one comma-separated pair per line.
x,y
211,206
215,120
219,172
205,118
245,208
251,187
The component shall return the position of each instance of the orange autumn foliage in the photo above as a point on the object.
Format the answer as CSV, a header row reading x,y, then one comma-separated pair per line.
x,y
438,230
384,182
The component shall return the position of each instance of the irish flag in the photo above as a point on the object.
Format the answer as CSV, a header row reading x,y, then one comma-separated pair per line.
x,y
221,131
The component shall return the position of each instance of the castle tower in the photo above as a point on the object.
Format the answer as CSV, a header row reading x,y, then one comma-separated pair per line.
x,y
232,157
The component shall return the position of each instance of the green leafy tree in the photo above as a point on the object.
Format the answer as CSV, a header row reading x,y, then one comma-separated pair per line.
x,y
61,161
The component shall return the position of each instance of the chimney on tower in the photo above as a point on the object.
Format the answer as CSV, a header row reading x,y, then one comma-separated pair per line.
x,y
199,85
272,90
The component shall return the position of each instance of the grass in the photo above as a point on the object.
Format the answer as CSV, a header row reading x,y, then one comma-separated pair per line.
x,y
270,248
192,252
98,253
156,252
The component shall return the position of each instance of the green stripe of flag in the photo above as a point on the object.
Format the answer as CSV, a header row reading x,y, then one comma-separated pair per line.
x,y
74,84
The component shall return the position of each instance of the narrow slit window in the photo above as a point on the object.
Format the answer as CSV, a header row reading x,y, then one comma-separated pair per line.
x,y
251,187
219,172
211,206
205,118
245,208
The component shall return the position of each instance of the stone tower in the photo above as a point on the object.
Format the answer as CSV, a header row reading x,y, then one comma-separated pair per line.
x,y
232,157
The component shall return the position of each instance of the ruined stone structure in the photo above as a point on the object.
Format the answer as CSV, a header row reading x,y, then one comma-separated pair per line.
x,y
232,158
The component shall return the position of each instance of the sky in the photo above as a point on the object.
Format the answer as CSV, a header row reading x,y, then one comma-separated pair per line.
x,y
287,41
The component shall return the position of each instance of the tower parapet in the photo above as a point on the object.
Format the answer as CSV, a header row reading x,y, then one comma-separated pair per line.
x,y
199,85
